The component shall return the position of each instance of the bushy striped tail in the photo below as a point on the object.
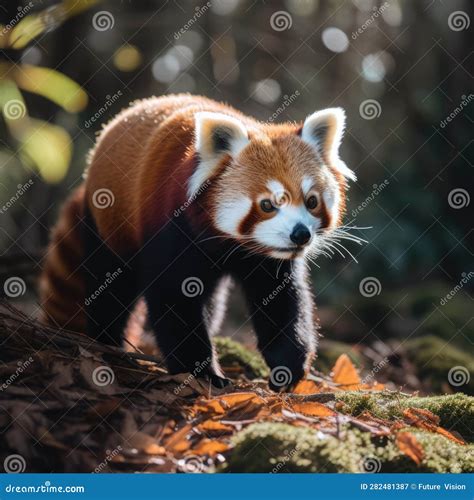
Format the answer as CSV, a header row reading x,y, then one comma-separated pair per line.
x,y
62,287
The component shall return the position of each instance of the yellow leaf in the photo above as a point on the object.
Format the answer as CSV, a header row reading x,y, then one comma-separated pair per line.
x,y
408,444
344,372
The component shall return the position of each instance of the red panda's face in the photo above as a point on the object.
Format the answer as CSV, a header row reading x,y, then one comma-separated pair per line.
x,y
282,187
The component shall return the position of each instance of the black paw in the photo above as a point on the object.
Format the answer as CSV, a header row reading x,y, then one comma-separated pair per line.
x,y
284,379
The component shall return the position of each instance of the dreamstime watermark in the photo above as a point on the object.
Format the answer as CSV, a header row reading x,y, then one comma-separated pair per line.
x,y
459,20
200,366
459,375
281,464
192,464
21,190
288,100
199,11
109,456
281,20
377,367
14,464
102,376
14,287
370,109
458,198
192,287
377,189
280,287
192,198
377,11
22,12
14,109
109,279
370,287
110,101
371,464
465,278
103,198
103,20
22,366
281,376
465,100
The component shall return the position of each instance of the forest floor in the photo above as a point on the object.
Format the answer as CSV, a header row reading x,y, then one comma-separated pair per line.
x,y
69,404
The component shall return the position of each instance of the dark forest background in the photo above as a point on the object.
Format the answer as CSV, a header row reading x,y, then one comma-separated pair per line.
x,y
401,69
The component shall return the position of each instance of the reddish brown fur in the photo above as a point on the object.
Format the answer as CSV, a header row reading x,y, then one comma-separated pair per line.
x,y
145,157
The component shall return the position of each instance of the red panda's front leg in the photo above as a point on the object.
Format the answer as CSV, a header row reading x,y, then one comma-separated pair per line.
x,y
178,282
283,314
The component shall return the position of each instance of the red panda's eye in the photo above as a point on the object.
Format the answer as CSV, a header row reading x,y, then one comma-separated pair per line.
x,y
312,202
267,206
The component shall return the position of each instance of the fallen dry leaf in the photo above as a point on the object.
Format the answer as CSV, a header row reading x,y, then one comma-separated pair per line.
x,y
344,372
210,447
313,409
425,420
408,444
306,387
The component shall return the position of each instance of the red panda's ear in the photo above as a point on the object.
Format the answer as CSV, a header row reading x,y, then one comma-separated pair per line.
x,y
324,130
216,134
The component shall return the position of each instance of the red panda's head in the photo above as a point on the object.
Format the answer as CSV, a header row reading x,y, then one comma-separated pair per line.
x,y
275,188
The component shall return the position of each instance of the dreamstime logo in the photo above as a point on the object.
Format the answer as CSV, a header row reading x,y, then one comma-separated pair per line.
x,y
192,287
370,287
109,279
103,375
378,188
22,189
376,13
371,464
280,376
465,278
14,464
110,100
14,109
458,198
109,456
192,464
459,375
280,199
465,101
14,287
377,367
103,198
283,462
370,109
284,282
22,366
103,20
288,100
200,366
281,20
458,20
199,11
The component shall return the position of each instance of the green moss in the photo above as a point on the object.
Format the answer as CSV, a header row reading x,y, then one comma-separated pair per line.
x,y
434,358
274,447
232,353
330,350
456,411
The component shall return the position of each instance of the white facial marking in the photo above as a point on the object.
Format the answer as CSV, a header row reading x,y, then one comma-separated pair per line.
x,y
275,232
306,184
276,187
331,197
230,214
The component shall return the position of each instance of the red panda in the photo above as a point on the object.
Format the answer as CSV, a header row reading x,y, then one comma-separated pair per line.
x,y
181,195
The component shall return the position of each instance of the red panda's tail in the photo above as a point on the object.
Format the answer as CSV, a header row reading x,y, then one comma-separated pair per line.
x,y
62,288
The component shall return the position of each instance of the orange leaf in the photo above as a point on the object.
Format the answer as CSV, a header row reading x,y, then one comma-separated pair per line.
x,y
344,372
306,387
178,441
210,447
313,409
424,419
215,426
408,444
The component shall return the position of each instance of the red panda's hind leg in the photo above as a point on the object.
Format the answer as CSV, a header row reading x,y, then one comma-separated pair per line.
x,y
111,287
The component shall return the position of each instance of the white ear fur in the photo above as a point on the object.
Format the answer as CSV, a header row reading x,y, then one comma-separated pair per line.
x,y
324,130
216,134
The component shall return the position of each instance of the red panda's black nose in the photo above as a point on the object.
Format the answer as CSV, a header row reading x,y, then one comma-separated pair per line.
x,y
300,234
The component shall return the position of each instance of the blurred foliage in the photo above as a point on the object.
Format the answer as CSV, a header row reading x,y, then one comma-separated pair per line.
x,y
404,55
